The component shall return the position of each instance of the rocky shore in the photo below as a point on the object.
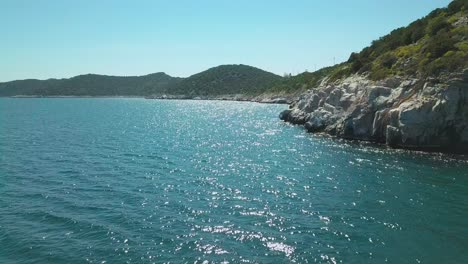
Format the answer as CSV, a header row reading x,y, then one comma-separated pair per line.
x,y
426,114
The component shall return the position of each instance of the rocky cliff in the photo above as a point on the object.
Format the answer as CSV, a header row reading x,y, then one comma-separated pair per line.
x,y
427,114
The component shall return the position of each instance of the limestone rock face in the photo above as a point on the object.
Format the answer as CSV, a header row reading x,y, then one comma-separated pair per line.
x,y
428,114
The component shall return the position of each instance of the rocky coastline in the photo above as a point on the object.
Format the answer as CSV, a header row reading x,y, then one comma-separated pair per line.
x,y
429,114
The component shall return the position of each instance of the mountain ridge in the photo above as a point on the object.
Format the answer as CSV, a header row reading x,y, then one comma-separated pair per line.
x,y
223,79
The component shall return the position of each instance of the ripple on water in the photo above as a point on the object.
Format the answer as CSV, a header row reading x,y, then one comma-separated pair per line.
x,y
148,181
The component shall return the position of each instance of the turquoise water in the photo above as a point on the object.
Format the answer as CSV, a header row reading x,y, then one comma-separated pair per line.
x,y
148,181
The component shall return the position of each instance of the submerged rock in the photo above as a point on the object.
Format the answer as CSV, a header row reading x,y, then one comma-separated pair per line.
x,y
428,114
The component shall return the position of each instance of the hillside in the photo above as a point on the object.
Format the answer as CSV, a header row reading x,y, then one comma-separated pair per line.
x,y
434,45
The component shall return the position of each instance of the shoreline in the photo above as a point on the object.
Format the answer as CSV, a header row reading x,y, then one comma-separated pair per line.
x,y
236,98
222,99
262,98
270,100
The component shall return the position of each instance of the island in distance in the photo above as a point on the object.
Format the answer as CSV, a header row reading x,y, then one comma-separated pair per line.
x,y
228,82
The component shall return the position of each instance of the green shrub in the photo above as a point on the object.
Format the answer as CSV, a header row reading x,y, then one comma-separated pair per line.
x,y
437,24
387,60
450,61
379,74
463,46
457,5
439,45
408,51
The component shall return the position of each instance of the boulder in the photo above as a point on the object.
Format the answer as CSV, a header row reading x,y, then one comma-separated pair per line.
x,y
285,115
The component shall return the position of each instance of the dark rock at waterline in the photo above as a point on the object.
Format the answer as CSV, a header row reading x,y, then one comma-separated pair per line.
x,y
284,115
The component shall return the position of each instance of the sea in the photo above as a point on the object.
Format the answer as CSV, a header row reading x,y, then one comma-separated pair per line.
x,y
131,180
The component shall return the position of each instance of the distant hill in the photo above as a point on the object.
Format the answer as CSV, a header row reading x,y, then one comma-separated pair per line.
x,y
91,85
225,79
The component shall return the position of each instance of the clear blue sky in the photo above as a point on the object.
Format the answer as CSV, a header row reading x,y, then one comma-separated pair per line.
x,y
62,38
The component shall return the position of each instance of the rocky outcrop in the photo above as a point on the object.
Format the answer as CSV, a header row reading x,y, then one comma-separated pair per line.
x,y
427,114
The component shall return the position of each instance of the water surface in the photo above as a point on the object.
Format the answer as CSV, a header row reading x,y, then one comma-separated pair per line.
x,y
149,181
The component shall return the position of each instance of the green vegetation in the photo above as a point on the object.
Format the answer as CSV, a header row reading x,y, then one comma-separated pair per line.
x,y
306,80
429,46
226,79
90,85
